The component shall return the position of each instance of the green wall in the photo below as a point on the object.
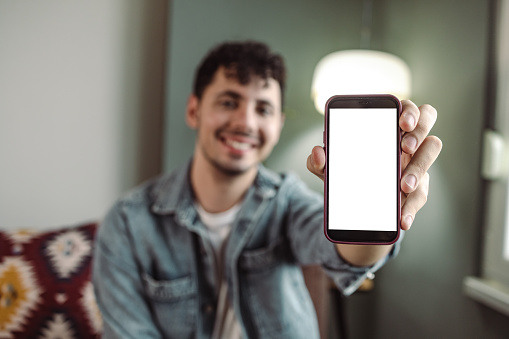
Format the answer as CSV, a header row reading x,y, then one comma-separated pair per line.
x,y
418,295
302,31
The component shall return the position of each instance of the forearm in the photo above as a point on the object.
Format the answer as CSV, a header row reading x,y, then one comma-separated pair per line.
x,y
363,255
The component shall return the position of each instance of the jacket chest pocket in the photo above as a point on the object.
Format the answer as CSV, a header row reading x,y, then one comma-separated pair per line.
x,y
263,259
174,304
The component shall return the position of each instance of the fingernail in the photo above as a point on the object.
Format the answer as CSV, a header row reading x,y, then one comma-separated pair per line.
x,y
411,180
410,119
408,220
410,142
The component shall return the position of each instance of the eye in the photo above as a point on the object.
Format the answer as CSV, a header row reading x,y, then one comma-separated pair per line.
x,y
228,104
264,110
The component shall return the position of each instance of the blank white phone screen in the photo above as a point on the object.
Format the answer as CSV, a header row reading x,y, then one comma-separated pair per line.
x,y
362,169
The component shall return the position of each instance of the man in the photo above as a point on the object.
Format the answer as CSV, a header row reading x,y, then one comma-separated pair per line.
x,y
213,249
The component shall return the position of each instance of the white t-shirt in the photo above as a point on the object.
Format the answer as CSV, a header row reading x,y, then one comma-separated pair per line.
x,y
219,225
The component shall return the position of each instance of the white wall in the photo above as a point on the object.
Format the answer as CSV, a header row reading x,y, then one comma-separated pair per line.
x,y
80,106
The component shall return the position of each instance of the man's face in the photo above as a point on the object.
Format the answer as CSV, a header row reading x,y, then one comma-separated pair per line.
x,y
237,125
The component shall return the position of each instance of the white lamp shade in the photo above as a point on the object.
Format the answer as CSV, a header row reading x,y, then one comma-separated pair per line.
x,y
359,72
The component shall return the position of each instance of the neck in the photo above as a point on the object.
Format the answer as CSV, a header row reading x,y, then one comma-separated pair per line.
x,y
216,191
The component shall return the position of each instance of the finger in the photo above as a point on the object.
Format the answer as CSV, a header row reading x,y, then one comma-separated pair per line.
x,y
316,162
413,139
409,115
405,160
420,163
414,202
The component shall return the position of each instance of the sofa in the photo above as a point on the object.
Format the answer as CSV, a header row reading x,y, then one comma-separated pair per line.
x,y
45,284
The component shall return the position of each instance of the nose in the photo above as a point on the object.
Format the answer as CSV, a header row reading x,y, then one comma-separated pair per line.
x,y
244,118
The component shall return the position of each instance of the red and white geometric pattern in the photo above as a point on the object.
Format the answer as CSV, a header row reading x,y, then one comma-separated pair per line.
x,y
45,284
67,251
58,327
91,309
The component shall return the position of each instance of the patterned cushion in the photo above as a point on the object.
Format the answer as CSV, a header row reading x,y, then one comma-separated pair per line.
x,y
45,286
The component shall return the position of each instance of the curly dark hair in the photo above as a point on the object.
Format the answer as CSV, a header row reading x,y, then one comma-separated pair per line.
x,y
242,60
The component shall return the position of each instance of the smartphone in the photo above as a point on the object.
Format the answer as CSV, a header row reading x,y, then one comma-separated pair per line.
x,y
362,142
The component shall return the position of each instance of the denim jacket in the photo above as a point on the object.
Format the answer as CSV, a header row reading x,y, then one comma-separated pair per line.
x,y
152,260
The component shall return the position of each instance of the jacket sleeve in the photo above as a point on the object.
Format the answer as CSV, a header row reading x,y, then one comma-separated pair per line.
x,y
118,284
305,230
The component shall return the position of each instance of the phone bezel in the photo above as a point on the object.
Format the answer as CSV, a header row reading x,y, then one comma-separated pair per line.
x,y
353,236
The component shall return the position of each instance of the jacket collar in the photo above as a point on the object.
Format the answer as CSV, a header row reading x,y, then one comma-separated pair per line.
x,y
173,191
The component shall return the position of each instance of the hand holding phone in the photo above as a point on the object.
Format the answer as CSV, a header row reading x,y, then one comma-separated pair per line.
x,y
362,174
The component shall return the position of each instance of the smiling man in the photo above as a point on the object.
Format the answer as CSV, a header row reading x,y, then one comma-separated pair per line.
x,y
214,249
237,127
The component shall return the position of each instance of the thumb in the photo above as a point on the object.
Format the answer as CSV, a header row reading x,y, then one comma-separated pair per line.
x,y
316,162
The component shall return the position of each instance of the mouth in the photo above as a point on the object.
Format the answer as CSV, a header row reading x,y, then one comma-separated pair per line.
x,y
239,144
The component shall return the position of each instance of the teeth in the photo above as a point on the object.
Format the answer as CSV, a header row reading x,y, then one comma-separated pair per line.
x,y
242,146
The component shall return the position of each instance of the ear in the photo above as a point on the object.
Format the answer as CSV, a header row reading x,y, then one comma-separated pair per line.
x,y
192,111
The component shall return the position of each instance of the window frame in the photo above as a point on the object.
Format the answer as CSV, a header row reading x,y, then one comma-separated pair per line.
x,y
491,286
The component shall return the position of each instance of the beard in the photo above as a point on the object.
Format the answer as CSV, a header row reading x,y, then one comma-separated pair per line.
x,y
229,171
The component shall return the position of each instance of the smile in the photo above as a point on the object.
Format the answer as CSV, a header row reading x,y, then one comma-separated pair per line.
x,y
241,146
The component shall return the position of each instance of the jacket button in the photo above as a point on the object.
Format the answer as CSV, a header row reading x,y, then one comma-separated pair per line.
x,y
208,308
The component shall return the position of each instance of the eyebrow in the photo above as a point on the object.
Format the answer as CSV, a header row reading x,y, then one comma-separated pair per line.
x,y
230,93
237,96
